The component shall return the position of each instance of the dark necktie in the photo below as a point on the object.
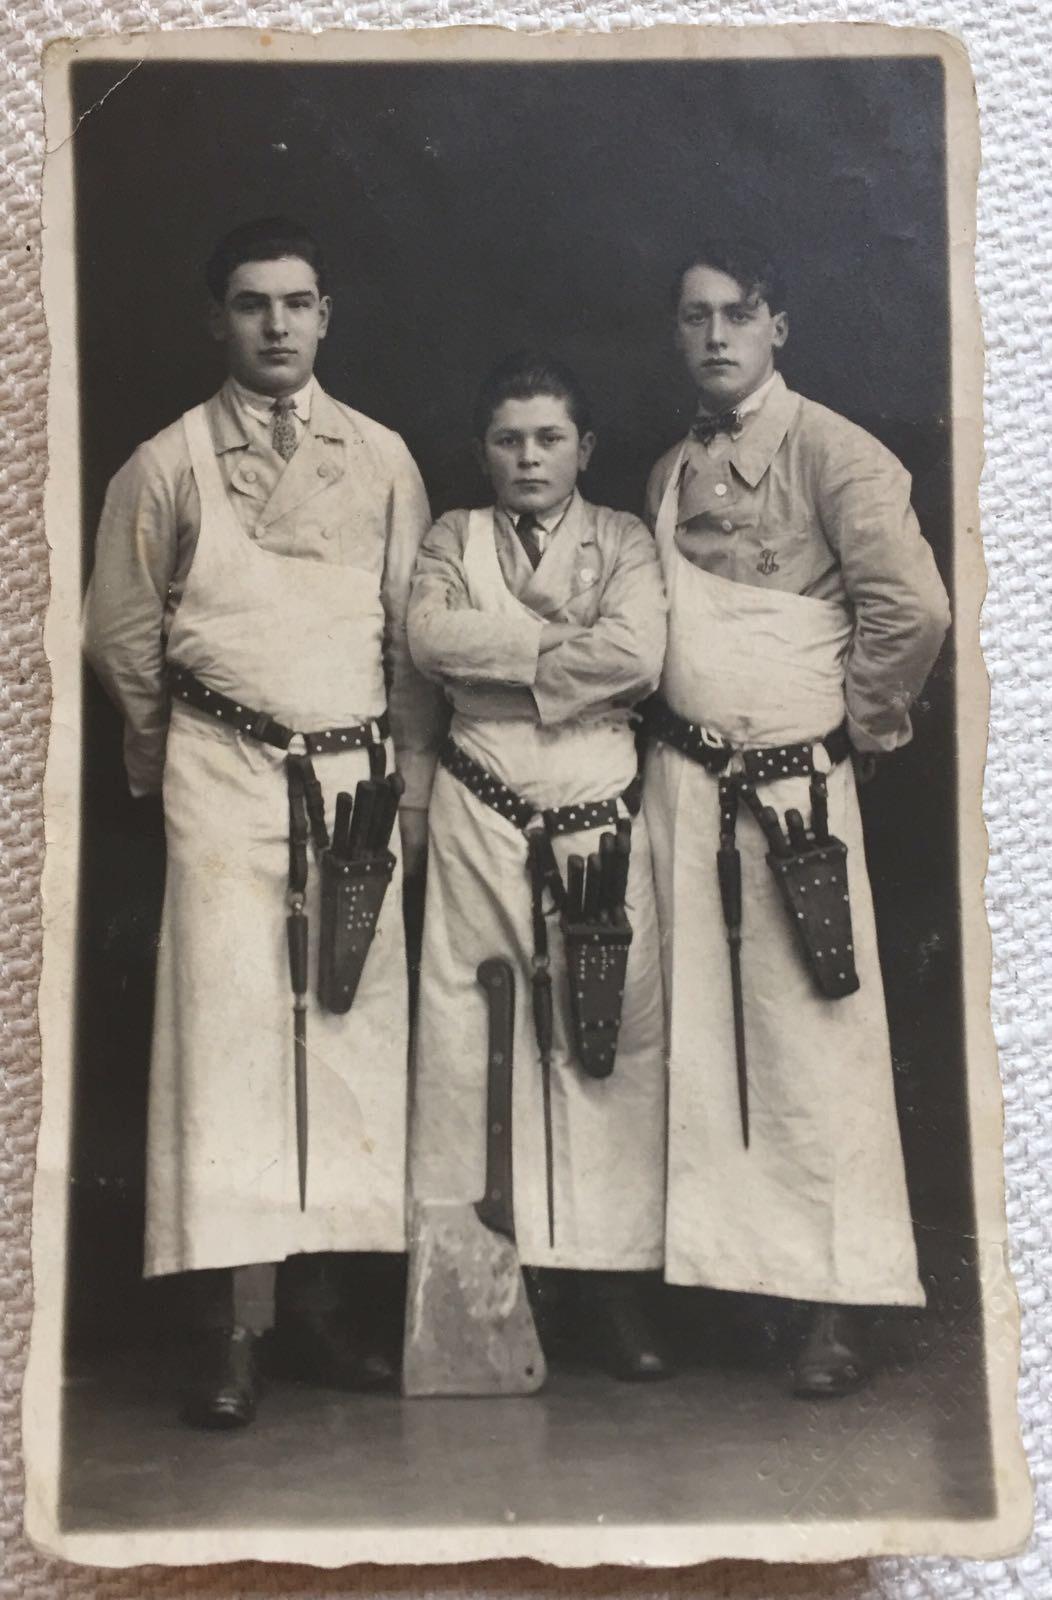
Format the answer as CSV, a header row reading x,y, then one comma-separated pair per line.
x,y
526,528
283,428
705,429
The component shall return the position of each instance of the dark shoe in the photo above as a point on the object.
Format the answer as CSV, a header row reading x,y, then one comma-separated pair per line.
x,y
831,1362
318,1349
225,1387
626,1341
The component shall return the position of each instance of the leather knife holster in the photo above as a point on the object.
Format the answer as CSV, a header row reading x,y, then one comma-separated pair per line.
x,y
814,890
352,893
596,962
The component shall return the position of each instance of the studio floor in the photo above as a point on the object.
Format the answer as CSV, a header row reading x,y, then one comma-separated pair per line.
x,y
713,1444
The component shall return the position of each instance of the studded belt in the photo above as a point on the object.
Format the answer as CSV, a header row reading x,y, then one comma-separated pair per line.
x,y
260,725
488,788
762,764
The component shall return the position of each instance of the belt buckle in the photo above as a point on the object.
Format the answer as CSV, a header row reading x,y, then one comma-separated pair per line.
x,y
297,745
711,739
736,764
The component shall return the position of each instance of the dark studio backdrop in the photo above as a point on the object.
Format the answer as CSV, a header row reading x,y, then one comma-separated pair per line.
x,y
467,210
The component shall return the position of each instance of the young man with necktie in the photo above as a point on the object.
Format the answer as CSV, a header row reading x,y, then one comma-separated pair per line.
x,y
805,613
543,617
247,614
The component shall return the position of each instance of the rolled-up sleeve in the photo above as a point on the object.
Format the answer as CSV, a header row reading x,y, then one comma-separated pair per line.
x,y
135,559
618,660
901,608
416,707
450,639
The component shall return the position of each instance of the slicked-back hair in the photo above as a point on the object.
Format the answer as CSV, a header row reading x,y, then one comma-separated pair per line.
x,y
744,260
522,376
265,239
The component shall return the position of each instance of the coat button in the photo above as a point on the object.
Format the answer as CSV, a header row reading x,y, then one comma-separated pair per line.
x,y
323,470
721,489
727,525
587,575
326,533
249,474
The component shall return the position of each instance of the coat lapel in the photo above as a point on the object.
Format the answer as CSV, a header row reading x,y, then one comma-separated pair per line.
x,y
570,562
753,453
319,462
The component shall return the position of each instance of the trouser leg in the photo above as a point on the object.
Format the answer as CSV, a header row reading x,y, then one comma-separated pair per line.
x,y
208,1299
221,1388
325,1322
620,1326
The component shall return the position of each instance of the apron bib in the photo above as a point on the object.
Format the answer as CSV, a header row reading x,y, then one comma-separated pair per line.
x,y
301,640
816,1208
608,1135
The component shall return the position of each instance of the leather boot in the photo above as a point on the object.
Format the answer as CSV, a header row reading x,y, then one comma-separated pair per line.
x,y
314,1340
623,1336
831,1361
225,1387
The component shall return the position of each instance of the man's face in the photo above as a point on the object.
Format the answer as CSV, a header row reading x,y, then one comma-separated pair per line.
x,y
727,338
270,322
532,453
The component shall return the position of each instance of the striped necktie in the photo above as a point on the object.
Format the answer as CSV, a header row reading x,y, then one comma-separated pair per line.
x,y
526,528
283,428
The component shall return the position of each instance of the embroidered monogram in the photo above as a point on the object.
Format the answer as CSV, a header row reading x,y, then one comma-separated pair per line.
x,y
767,564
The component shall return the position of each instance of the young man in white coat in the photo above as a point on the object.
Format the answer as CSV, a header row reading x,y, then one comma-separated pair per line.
x,y
543,617
805,615
247,615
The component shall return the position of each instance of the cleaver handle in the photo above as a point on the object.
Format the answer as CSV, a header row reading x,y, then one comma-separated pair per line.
x,y
496,1208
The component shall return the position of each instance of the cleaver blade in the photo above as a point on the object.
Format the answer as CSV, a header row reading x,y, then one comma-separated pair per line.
x,y
469,1327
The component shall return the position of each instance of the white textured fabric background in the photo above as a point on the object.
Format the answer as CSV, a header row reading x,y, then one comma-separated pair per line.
x,y
1010,46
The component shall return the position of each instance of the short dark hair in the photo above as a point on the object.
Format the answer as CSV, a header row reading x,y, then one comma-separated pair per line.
x,y
265,239
520,377
744,260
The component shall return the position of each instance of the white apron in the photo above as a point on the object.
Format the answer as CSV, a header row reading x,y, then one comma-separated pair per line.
x,y
302,640
609,1135
816,1208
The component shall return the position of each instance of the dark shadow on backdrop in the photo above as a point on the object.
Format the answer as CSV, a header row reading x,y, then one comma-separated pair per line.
x,y
467,210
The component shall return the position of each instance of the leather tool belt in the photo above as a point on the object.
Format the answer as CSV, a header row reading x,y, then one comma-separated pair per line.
x,y
352,890
809,865
762,764
596,945
488,788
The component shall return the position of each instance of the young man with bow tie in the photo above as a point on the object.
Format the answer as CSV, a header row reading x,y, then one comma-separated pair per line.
x,y
247,613
805,615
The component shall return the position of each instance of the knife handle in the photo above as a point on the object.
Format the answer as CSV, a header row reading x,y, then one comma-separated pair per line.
x,y
592,887
574,888
607,873
341,826
496,1208
622,862
362,816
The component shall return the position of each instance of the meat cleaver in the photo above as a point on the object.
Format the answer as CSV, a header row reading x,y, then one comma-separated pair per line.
x,y
469,1327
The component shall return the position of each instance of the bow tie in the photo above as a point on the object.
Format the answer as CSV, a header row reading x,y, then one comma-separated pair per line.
x,y
705,429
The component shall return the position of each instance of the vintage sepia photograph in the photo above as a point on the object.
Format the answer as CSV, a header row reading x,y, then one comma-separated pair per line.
x,y
518,1077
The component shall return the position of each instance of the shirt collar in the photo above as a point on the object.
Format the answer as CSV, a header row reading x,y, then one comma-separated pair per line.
x,y
547,521
261,405
745,408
